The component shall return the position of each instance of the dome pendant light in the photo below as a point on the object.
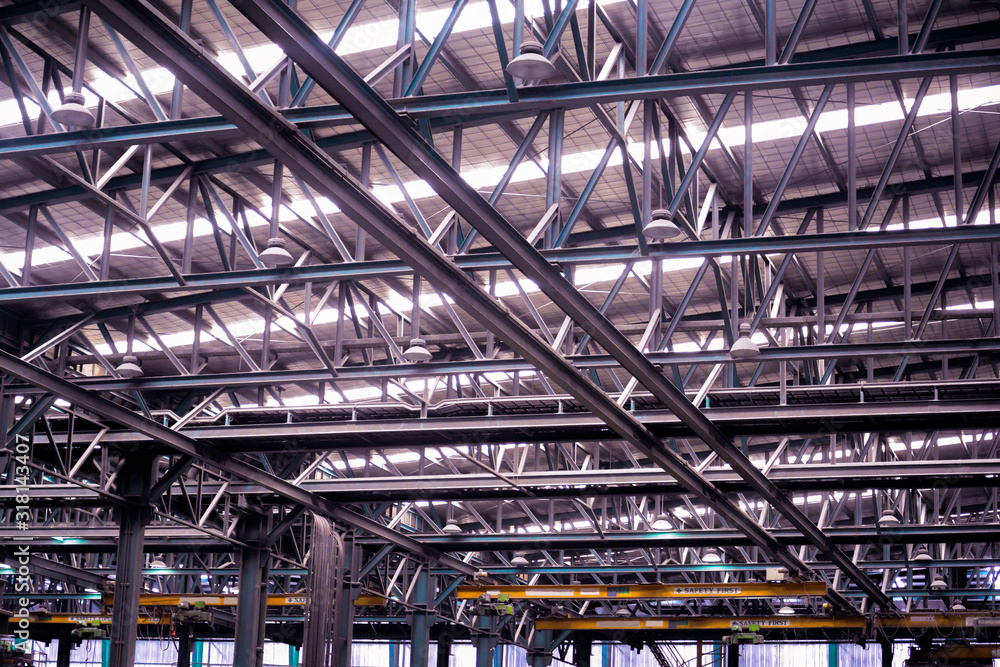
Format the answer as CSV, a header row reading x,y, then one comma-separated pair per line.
x,y
519,560
275,253
939,584
417,351
661,522
531,65
744,347
786,610
451,527
712,555
72,112
920,555
129,367
888,518
661,226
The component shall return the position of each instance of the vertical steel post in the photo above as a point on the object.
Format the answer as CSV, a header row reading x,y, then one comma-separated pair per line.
x,y
444,649
852,160
350,589
484,642
541,657
733,656
956,149
135,481
252,600
770,33
553,182
886,653
65,651
183,646
904,28
420,627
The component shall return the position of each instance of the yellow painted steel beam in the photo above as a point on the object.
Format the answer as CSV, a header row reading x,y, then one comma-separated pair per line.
x,y
231,600
915,621
103,619
646,591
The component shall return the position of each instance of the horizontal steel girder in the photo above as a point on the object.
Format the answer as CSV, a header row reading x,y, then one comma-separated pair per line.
x,y
493,106
287,144
578,483
567,427
802,243
985,346
951,534
102,540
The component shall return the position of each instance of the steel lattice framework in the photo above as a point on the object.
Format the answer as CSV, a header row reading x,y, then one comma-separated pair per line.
x,y
330,258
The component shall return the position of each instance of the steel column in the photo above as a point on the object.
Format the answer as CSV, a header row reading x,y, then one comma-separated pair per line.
x,y
420,625
184,640
350,589
252,604
66,645
484,642
134,479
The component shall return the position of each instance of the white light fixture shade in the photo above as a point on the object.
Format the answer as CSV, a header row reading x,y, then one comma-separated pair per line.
x,y
129,367
786,610
275,253
939,584
958,606
661,522
623,611
661,226
451,527
72,112
531,65
744,347
519,560
158,563
920,555
712,555
888,518
417,351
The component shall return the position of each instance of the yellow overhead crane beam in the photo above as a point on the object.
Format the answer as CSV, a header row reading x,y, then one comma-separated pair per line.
x,y
913,621
646,591
89,619
363,600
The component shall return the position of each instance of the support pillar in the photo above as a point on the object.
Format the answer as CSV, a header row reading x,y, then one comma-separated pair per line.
x,y
420,624
444,649
484,642
134,484
184,646
252,600
65,650
351,589
733,656
886,653
540,655
293,656
199,653
833,655
582,648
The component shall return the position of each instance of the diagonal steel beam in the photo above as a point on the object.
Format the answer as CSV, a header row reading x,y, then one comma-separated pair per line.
x,y
281,24
149,31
